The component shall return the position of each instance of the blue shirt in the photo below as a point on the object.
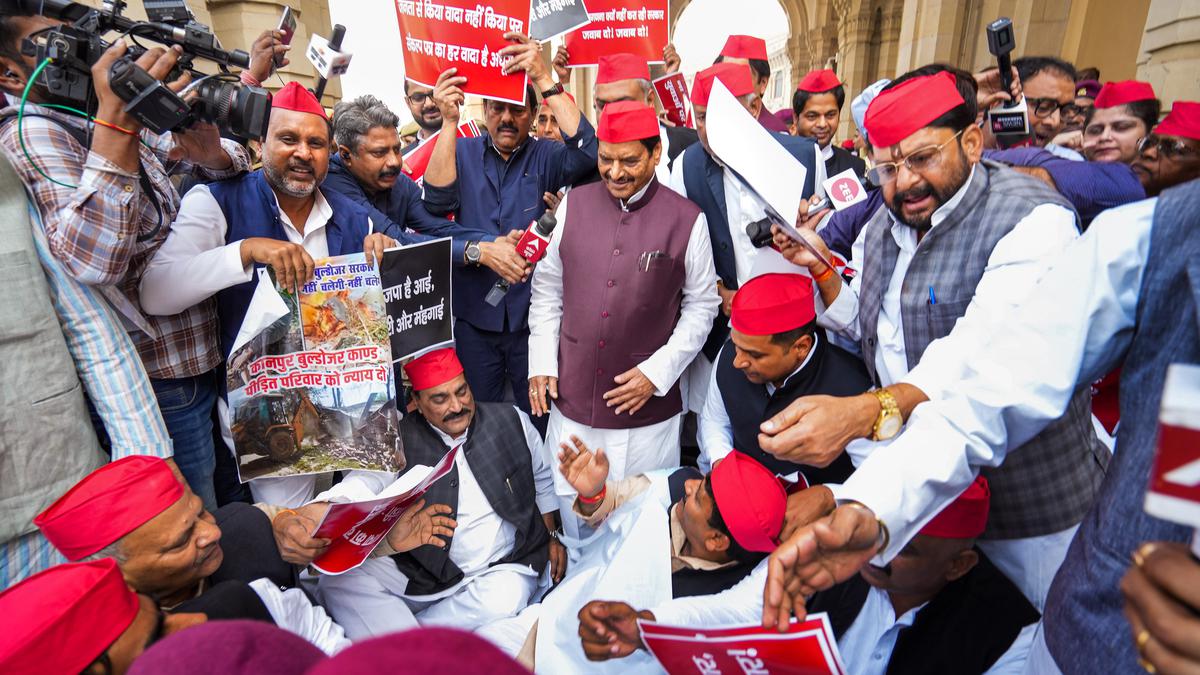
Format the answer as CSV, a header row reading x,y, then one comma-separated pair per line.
x,y
399,213
497,197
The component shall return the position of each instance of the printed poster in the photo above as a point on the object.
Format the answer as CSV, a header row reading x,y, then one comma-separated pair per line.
x,y
417,290
310,386
465,35
634,26
807,648
356,528
552,18
672,93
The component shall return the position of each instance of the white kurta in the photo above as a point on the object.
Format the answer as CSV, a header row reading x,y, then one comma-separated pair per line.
x,y
1018,378
637,449
294,612
194,263
370,600
1013,268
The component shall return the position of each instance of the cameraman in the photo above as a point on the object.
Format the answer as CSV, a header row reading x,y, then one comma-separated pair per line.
x,y
107,203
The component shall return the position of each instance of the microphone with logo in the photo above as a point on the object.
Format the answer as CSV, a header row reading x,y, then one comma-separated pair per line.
x,y
531,247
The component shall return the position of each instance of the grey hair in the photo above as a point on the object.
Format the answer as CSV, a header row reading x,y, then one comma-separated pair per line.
x,y
113,551
353,119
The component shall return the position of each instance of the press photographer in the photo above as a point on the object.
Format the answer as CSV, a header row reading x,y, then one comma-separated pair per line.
x,y
101,184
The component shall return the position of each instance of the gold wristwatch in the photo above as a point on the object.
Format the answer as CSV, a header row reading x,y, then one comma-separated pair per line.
x,y
889,422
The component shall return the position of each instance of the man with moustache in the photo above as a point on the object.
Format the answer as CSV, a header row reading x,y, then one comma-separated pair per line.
x,y
498,182
487,558
1049,89
961,240
1170,154
366,168
276,216
614,335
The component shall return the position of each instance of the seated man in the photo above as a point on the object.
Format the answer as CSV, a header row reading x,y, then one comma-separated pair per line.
x,y
720,526
890,619
276,216
366,168
501,494
137,511
775,354
80,618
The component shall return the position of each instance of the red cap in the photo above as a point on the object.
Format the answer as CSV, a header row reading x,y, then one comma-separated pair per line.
x,y
751,500
1113,94
433,368
293,96
817,81
745,47
622,66
848,144
624,121
61,620
1182,121
773,303
905,109
422,650
108,504
965,517
735,77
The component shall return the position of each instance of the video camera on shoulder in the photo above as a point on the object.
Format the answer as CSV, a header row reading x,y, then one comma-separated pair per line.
x,y
74,48
1009,124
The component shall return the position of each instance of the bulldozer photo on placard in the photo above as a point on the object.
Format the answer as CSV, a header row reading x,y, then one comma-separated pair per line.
x,y
313,391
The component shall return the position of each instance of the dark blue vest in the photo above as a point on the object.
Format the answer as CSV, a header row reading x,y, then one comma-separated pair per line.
x,y
1084,627
251,210
704,181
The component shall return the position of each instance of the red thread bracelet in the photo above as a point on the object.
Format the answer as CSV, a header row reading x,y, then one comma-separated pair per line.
x,y
110,125
824,276
594,500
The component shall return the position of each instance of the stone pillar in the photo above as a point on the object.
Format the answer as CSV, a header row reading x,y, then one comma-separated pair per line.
x,y
1170,48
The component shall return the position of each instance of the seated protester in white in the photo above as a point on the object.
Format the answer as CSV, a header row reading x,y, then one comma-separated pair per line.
x,y
940,607
138,511
276,216
501,504
720,526
775,354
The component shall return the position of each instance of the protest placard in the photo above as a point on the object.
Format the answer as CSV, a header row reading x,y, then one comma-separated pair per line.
x,y
417,159
672,93
634,26
552,18
356,528
1174,492
807,648
310,377
417,291
464,35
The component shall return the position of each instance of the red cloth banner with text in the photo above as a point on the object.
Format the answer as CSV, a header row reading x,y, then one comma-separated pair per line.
x,y
633,26
808,648
672,92
464,35
417,159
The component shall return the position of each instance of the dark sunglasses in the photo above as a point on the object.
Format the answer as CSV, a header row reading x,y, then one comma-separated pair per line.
x,y
1172,148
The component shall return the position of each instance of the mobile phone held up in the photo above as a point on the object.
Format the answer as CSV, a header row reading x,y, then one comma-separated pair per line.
x,y
287,26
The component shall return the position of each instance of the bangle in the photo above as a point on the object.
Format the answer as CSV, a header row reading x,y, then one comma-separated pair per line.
x,y
596,499
110,125
274,520
825,276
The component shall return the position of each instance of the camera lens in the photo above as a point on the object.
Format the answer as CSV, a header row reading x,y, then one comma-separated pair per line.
x,y
241,110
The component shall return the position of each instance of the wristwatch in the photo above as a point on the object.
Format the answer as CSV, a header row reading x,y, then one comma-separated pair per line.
x,y
472,253
553,91
889,422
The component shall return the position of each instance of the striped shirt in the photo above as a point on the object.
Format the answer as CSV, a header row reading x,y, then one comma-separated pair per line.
x,y
115,381
105,230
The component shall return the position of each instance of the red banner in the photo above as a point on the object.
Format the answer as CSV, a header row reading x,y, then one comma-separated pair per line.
x,y
634,26
417,159
355,529
808,648
464,35
672,92
1174,492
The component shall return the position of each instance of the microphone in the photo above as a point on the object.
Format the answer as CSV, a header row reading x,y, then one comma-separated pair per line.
x,y
532,247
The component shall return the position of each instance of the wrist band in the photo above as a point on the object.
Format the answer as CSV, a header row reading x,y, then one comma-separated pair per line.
x,y
110,125
824,276
249,79
885,537
276,518
594,500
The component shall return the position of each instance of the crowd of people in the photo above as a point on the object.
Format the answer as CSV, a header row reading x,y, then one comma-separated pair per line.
x,y
930,414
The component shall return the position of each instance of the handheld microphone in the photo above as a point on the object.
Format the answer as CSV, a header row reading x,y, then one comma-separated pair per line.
x,y
531,247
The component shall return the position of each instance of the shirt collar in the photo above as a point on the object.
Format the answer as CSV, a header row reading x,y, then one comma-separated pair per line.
x,y
637,196
319,216
827,151
450,442
488,144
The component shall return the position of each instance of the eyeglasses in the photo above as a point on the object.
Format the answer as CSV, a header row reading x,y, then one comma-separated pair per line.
x,y
1045,107
1172,148
917,161
418,99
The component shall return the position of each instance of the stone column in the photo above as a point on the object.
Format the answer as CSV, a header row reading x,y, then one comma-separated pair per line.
x,y
1170,48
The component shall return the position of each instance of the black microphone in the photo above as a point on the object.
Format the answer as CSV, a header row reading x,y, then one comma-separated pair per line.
x,y
532,247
